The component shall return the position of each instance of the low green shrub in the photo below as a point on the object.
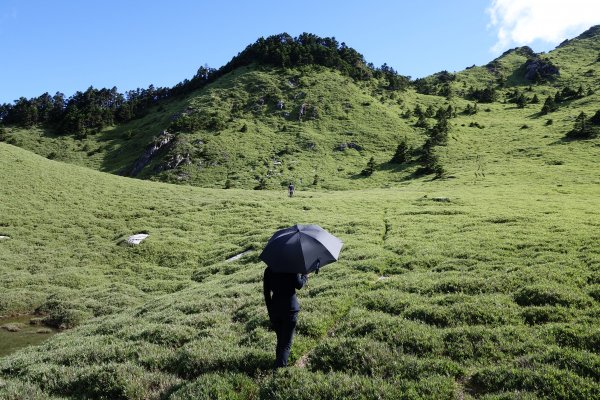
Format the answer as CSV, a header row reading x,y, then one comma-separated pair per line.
x,y
253,316
170,335
488,343
594,292
209,355
553,295
430,314
536,315
390,301
583,363
312,324
372,358
547,382
11,389
300,384
62,313
117,382
584,337
407,336
218,386
514,395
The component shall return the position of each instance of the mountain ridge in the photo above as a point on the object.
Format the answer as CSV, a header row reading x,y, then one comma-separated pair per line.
x,y
225,110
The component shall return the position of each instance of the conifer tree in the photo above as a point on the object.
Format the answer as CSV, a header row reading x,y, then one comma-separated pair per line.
x,y
549,105
368,171
521,101
402,153
421,122
595,120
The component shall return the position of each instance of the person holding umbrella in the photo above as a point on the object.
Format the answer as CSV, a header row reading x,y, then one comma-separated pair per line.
x,y
291,254
283,307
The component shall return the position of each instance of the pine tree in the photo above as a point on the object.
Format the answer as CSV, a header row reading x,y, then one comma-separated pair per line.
x,y
558,97
429,112
582,129
595,120
549,105
430,163
402,153
580,123
521,101
370,167
418,110
421,122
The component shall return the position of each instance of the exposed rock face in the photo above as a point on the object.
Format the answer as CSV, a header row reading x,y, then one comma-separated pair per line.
x,y
136,239
537,69
177,160
11,327
238,256
163,141
349,145
302,111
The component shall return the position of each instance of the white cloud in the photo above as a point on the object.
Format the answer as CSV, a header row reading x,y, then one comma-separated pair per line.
x,y
520,22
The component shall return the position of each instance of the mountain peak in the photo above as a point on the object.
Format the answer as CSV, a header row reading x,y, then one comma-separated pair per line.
x,y
522,51
591,33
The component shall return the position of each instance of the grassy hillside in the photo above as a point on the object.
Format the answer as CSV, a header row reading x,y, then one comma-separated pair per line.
x,y
445,289
483,284
245,129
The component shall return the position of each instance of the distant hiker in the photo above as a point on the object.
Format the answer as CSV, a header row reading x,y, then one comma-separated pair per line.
x,y
291,189
282,305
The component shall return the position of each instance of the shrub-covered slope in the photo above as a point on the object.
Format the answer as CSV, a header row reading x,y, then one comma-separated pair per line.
x,y
263,126
482,284
444,289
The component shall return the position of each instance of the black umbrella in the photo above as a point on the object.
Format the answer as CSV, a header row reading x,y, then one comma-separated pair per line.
x,y
301,249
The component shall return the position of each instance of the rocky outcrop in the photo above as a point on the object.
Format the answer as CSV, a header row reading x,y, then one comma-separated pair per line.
x,y
495,66
136,239
540,69
177,160
349,145
302,111
163,141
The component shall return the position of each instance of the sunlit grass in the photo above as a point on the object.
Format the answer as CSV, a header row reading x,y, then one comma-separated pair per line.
x,y
444,282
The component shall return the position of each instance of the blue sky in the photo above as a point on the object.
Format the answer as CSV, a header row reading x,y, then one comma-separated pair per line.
x,y
61,45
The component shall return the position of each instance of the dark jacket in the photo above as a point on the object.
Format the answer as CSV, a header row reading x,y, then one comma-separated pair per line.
x,y
280,292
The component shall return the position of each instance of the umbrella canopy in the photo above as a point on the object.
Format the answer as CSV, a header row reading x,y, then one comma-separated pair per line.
x,y
301,249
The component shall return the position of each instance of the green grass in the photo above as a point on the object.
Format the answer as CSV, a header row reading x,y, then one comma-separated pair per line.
x,y
484,284
430,299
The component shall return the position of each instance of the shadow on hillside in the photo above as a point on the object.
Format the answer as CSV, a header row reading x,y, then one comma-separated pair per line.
x,y
397,168
568,139
121,147
52,133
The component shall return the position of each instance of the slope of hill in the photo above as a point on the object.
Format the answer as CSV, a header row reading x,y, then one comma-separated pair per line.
x,y
443,289
260,126
482,284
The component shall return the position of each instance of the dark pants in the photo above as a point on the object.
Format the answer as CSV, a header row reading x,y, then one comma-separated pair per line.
x,y
284,326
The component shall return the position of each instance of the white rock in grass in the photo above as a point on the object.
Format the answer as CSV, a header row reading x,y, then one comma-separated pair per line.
x,y
238,256
136,239
4,237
